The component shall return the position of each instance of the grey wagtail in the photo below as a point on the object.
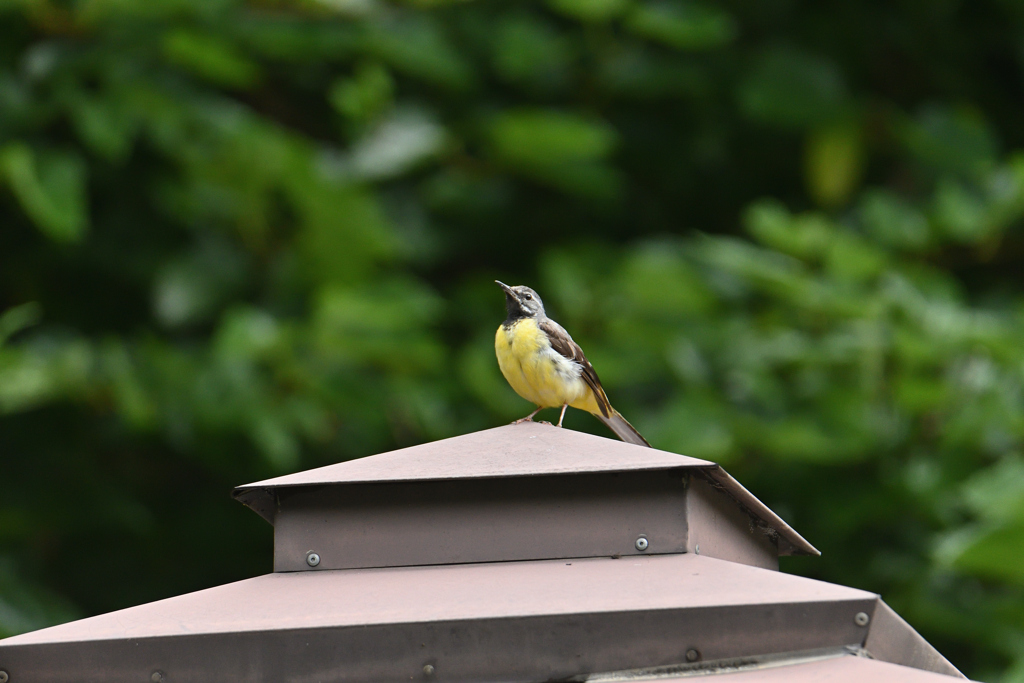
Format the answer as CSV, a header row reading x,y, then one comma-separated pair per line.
x,y
546,367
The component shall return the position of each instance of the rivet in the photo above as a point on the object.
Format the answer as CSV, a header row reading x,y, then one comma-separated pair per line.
x,y
641,544
156,677
4,677
312,559
428,670
692,655
861,619
696,549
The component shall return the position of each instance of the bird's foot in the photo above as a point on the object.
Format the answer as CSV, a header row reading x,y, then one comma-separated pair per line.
x,y
528,418
544,422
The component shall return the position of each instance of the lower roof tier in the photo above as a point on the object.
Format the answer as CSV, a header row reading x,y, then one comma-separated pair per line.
x,y
525,621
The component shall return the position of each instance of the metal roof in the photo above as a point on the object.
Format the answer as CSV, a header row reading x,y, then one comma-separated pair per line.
x,y
836,666
438,563
437,593
503,621
523,450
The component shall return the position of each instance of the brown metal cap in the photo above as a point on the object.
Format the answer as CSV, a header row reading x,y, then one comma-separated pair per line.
x,y
524,450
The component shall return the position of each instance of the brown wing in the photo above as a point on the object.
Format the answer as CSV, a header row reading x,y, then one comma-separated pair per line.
x,y
563,344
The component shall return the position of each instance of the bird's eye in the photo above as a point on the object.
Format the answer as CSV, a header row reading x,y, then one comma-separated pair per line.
x,y
527,296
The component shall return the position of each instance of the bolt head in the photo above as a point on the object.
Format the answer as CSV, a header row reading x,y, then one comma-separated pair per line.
x,y
428,670
156,677
861,619
641,544
312,559
4,677
692,655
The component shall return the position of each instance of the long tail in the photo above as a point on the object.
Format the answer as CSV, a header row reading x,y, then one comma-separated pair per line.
x,y
622,429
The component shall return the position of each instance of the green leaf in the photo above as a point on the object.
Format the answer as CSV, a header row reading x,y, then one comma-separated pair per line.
x,y
35,375
14,320
850,257
366,95
806,237
382,325
105,125
694,427
682,24
596,11
397,144
210,57
993,552
950,140
50,187
277,443
190,288
26,605
559,149
419,47
833,164
531,52
248,333
961,213
996,493
893,221
792,89
542,137
343,233
660,284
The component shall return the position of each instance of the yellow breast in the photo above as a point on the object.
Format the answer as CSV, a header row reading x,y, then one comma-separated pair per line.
x,y
536,371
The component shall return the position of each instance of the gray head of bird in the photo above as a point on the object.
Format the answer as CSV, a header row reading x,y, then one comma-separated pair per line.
x,y
522,302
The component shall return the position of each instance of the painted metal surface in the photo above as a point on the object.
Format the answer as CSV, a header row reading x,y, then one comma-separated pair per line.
x,y
893,640
718,527
843,669
789,541
517,451
518,621
524,450
494,520
516,493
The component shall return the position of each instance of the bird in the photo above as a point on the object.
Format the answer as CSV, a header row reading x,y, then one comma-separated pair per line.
x,y
545,366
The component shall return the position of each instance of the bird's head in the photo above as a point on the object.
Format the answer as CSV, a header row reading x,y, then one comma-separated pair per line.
x,y
522,302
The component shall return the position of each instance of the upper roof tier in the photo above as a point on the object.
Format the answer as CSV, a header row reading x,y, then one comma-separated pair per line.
x,y
524,450
516,451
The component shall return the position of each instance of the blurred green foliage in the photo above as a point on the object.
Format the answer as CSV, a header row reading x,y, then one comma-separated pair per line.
x,y
241,238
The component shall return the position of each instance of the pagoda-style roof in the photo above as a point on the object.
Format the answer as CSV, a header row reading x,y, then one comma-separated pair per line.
x,y
530,449
523,450
524,554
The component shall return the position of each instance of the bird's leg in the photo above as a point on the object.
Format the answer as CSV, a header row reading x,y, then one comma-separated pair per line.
x,y
562,416
528,418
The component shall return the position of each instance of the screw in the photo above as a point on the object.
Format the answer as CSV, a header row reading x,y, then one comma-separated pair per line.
x,y
428,670
692,655
697,549
312,559
156,677
641,544
861,619
4,677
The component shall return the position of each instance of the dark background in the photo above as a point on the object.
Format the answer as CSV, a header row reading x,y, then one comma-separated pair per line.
x,y
238,239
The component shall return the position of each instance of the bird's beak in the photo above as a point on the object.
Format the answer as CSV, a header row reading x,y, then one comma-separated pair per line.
x,y
508,290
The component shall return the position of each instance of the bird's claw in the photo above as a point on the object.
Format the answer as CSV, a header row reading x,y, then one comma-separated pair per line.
x,y
521,420
545,422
